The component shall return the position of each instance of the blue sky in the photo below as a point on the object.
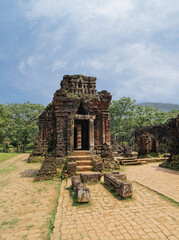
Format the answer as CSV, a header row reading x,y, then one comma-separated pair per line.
x,y
131,46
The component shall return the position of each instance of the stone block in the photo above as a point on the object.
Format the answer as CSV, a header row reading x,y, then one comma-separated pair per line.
x,y
75,181
90,177
124,189
119,175
83,193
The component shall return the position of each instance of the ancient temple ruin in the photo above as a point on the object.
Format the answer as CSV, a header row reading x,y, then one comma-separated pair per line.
x,y
77,119
151,138
147,144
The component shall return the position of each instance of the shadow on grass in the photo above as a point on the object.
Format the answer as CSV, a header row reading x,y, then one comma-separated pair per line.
x,y
30,173
25,160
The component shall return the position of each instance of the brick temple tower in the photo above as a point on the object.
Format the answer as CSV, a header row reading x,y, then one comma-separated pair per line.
x,y
77,119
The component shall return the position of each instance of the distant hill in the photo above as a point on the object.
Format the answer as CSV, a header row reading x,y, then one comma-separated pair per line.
x,y
165,107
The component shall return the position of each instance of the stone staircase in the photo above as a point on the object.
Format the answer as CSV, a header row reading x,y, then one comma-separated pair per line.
x,y
129,161
83,160
135,161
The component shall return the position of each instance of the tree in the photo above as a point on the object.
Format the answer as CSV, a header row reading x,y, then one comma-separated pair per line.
x,y
126,117
24,123
5,122
18,124
121,113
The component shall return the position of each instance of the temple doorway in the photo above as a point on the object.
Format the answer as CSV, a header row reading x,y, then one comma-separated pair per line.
x,y
81,134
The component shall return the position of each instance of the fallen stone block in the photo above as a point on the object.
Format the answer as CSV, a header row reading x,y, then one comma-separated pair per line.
x,y
119,175
75,180
90,177
83,193
124,189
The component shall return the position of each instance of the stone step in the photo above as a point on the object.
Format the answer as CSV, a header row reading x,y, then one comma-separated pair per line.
x,y
125,158
132,160
131,163
84,163
143,162
84,168
153,159
90,172
80,153
85,157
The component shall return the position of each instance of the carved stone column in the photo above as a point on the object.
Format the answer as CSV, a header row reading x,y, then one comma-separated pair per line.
x,y
71,135
91,134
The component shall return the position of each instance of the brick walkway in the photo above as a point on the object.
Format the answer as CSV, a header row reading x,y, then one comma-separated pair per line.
x,y
162,180
25,206
146,216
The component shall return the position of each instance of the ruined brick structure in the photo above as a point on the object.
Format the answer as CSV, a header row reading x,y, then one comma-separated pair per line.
x,y
173,161
147,144
77,119
165,133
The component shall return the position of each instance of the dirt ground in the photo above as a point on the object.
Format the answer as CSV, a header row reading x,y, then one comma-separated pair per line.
x,y
25,206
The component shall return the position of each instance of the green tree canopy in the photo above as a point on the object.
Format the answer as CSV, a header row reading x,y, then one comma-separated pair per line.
x,y
18,123
126,117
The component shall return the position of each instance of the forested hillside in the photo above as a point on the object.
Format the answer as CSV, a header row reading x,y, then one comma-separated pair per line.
x,y
165,107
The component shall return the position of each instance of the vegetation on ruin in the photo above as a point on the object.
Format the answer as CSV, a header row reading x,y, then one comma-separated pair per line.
x,y
126,117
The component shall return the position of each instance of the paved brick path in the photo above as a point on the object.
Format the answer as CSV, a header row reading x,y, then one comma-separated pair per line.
x,y
147,216
162,180
25,206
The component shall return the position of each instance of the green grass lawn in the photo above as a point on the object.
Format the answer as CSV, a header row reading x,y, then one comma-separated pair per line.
x,y
6,156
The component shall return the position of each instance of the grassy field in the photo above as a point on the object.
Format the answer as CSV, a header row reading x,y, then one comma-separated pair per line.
x,y
6,156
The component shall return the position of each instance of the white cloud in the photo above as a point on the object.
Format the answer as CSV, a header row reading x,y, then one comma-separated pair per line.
x,y
21,66
58,64
129,44
28,64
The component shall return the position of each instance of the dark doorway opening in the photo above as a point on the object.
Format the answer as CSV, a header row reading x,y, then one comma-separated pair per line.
x,y
81,109
81,135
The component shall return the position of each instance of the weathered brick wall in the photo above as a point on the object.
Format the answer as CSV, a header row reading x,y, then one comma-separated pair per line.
x,y
167,133
147,144
55,121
